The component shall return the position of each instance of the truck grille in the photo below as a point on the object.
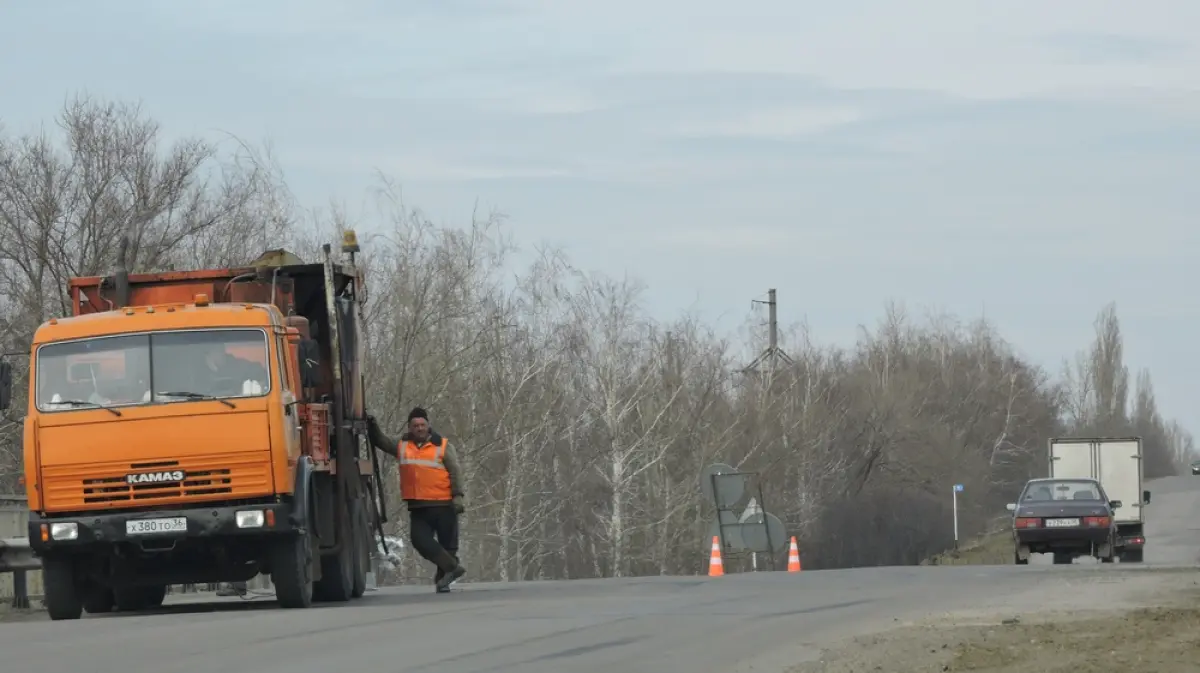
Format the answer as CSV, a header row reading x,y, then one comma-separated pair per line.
x,y
103,485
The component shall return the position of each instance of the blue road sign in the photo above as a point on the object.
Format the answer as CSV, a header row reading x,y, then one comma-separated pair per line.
x,y
958,488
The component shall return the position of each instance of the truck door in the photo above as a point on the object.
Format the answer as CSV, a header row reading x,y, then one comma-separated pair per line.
x,y
1120,463
291,415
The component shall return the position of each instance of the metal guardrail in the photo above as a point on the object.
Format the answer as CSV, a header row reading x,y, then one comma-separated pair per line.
x,y
16,557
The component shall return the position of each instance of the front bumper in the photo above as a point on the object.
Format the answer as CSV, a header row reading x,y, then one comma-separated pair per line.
x,y
1053,537
200,522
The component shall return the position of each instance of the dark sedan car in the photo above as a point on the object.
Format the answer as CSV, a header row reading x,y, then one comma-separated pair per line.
x,y
1064,517
1196,467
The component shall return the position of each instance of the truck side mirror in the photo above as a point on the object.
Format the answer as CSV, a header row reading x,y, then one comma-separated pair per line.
x,y
5,385
1146,497
1115,504
1012,507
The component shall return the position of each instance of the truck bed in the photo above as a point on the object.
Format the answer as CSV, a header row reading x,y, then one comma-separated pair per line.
x,y
1115,462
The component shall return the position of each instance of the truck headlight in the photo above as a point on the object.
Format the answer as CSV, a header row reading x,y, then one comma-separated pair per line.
x,y
249,519
64,531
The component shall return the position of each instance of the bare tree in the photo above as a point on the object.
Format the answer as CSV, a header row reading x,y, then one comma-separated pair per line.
x,y
582,420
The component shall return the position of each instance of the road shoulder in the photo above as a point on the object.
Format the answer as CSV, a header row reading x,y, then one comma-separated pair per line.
x,y
1148,621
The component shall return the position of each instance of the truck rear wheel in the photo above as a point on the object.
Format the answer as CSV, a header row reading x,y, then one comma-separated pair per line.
x,y
135,598
155,595
1133,556
63,598
99,600
1063,559
337,573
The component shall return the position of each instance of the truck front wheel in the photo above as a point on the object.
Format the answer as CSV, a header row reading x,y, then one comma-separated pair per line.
x,y
62,595
292,570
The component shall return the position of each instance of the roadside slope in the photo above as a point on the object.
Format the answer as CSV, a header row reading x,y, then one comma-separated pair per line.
x,y
1147,616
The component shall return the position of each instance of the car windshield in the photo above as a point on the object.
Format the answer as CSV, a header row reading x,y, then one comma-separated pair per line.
x,y
1061,489
178,366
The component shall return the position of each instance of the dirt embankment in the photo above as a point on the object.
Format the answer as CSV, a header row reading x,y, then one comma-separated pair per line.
x,y
1161,638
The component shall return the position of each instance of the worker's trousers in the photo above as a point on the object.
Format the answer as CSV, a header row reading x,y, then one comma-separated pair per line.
x,y
433,531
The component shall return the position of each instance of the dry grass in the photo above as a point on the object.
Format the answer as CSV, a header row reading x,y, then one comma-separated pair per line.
x,y
992,549
1164,639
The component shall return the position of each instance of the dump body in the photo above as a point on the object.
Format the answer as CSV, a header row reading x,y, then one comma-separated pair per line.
x,y
201,426
1115,462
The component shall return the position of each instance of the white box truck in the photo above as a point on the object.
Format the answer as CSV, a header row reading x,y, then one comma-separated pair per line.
x,y
1116,462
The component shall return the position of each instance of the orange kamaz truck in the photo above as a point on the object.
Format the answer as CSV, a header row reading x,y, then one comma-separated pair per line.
x,y
202,426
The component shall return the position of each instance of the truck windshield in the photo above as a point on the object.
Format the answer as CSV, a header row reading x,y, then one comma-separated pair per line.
x,y
178,366
1064,489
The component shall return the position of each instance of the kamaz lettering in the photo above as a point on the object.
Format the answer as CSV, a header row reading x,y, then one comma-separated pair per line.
x,y
155,477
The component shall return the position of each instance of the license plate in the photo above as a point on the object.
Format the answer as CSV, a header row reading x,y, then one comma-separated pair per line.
x,y
176,524
1061,523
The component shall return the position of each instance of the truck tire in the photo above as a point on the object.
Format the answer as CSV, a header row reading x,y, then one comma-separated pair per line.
x,y
99,600
291,570
63,598
1133,556
155,595
337,573
1063,559
362,548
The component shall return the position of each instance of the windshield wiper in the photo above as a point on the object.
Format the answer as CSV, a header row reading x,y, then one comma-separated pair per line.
x,y
85,403
198,396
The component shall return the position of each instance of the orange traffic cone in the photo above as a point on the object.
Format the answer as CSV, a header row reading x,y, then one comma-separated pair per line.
x,y
715,567
794,557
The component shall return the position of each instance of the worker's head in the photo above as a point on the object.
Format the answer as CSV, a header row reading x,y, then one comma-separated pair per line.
x,y
418,424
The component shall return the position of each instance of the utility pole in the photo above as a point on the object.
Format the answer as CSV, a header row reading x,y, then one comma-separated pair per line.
x,y
773,353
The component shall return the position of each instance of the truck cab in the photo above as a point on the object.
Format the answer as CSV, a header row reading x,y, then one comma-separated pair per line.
x,y
167,404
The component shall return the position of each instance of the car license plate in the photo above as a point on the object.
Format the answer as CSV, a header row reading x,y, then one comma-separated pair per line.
x,y
1061,523
177,524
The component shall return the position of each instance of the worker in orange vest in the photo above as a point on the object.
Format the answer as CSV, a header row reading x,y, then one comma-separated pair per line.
x,y
431,486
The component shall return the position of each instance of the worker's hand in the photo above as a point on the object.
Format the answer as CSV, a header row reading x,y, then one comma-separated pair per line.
x,y
458,505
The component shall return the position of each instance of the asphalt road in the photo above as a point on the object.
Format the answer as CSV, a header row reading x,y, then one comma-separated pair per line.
x,y
762,622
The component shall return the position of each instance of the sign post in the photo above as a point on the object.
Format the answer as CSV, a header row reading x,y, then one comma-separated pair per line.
x,y
958,488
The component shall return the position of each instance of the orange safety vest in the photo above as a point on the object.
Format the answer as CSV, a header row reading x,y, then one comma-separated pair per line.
x,y
423,473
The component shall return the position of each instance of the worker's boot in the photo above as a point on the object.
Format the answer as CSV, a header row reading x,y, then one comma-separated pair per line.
x,y
450,570
443,585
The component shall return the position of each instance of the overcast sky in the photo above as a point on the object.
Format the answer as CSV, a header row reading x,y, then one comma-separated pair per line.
x,y
1027,160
